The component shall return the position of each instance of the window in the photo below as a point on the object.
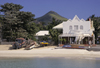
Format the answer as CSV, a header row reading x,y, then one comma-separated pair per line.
x,y
75,27
70,27
81,27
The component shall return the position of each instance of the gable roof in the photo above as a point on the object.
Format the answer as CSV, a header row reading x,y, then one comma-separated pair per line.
x,y
59,26
76,18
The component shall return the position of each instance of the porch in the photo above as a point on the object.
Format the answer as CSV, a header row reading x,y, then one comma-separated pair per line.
x,y
76,38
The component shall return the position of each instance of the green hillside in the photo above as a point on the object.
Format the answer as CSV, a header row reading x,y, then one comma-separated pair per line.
x,y
47,18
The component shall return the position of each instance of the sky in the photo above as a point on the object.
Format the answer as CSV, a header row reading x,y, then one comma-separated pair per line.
x,y
66,8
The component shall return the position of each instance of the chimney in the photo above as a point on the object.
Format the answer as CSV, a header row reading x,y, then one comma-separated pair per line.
x,y
91,23
89,19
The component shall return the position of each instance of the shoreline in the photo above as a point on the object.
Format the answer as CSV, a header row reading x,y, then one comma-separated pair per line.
x,y
48,51
73,53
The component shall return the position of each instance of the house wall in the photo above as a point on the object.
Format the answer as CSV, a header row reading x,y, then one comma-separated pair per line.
x,y
85,24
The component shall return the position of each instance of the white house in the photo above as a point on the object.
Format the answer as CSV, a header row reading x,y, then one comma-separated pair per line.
x,y
41,34
77,31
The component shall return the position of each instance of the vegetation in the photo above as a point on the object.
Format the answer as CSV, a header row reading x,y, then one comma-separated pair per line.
x,y
47,18
65,40
1,20
54,33
61,40
16,22
96,24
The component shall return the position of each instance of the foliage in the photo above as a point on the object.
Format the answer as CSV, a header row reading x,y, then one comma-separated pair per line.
x,y
96,24
32,29
42,26
45,38
10,6
1,20
53,23
86,41
61,40
64,40
47,18
54,34
16,22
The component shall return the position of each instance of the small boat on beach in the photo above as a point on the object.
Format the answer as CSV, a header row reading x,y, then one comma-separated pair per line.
x,y
29,47
73,46
44,43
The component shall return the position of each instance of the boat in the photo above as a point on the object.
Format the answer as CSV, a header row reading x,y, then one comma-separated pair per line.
x,y
73,46
29,47
44,43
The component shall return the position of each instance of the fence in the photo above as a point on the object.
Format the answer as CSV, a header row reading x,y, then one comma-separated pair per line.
x,y
6,43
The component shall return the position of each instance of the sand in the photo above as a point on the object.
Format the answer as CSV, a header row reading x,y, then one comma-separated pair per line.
x,y
48,51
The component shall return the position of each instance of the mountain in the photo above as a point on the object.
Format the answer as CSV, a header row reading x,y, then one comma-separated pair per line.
x,y
47,18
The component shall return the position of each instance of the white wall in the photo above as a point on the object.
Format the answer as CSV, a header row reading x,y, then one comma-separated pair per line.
x,y
86,26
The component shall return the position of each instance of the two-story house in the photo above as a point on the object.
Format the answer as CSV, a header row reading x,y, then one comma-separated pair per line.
x,y
78,31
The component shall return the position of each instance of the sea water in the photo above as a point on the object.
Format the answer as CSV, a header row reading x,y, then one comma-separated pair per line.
x,y
49,62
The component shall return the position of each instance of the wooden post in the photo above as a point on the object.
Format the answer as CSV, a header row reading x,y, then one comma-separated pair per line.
x,y
88,40
70,40
93,39
61,41
82,41
58,39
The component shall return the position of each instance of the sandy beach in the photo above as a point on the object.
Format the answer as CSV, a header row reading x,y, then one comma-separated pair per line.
x,y
48,51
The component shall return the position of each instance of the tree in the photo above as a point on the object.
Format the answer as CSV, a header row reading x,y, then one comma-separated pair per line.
x,y
10,21
10,6
32,29
1,20
42,26
15,21
96,24
25,18
53,23
54,32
